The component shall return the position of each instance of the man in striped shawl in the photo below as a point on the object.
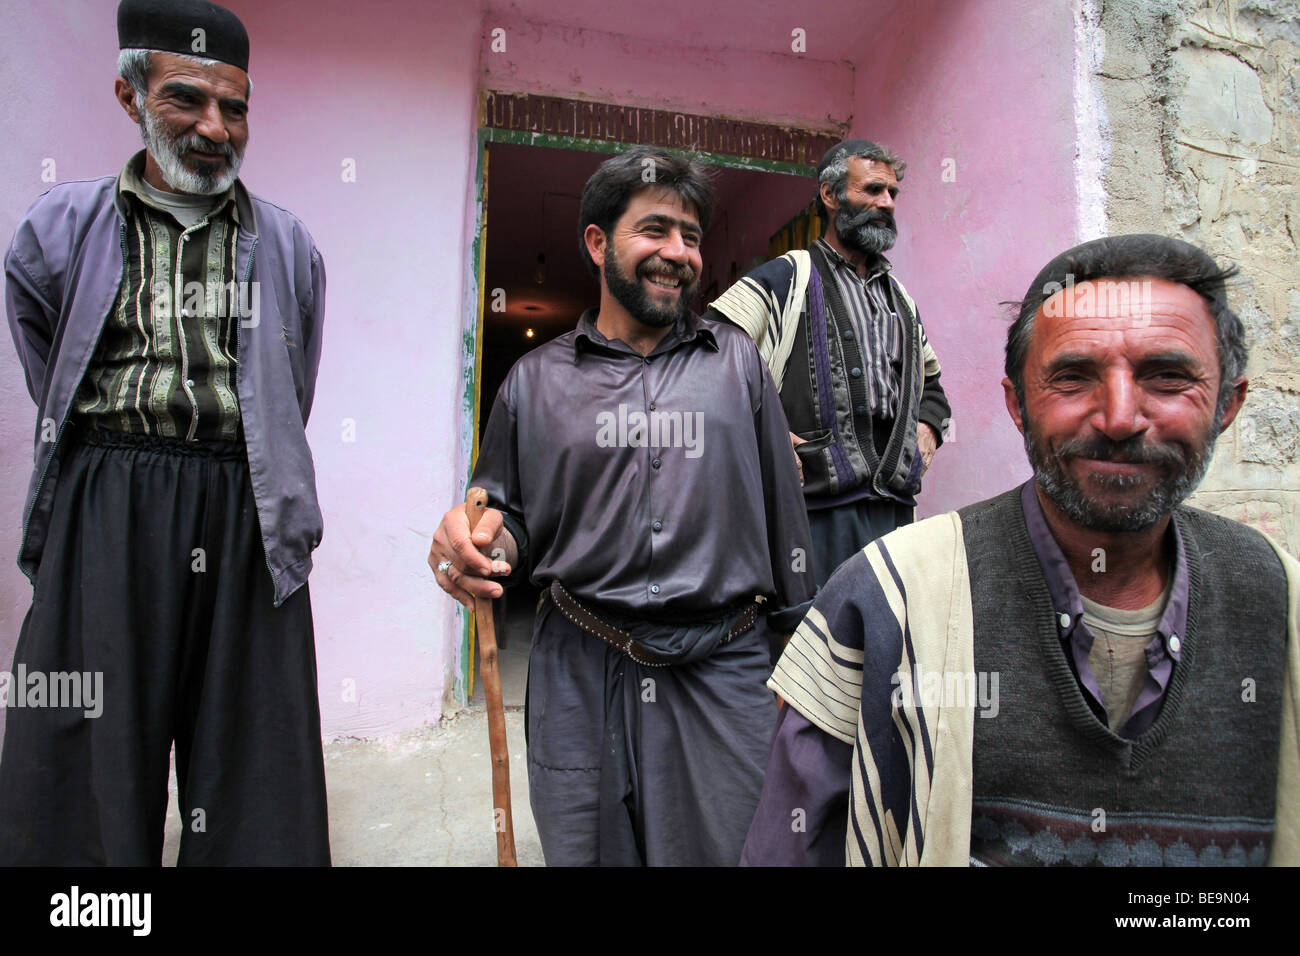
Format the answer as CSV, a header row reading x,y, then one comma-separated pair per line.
x,y
845,345
1081,670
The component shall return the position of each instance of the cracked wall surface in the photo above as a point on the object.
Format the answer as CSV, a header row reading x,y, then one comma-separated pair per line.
x,y
1202,103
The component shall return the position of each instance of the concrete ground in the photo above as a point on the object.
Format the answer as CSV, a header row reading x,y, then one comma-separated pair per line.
x,y
424,798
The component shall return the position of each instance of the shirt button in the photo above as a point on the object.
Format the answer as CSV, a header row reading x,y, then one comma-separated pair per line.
x,y
1064,619
658,526
848,334
189,383
654,589
1174,644
859,409
652,406
655,462
855,372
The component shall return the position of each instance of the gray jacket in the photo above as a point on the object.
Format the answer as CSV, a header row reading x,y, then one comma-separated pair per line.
x,y
62,276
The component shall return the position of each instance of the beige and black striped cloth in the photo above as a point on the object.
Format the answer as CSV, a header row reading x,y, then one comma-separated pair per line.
x,y
167,359
770,316
901,609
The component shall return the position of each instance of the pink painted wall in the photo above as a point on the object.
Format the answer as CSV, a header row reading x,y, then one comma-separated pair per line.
x,y
695,69
986,83
389,85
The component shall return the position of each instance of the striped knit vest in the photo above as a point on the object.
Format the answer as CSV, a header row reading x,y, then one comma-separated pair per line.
x,y
1054,786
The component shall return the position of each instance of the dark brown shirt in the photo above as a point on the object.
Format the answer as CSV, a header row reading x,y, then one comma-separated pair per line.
x,y
662,487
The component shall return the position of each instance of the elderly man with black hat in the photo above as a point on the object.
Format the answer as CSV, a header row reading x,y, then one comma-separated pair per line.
x,y
169,324
1081,670
859,381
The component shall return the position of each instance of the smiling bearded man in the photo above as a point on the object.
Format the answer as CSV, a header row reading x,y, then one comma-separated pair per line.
x,y
213,168
673,559
1182,469
172,514
976,687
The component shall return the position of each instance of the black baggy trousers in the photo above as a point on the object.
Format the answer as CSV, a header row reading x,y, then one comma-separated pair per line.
x,y
153,576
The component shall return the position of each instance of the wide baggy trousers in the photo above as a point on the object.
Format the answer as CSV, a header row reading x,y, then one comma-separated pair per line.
x,y
631,765
153,576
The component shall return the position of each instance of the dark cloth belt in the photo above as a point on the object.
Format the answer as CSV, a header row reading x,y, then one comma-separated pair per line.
x,y
134,441
594,625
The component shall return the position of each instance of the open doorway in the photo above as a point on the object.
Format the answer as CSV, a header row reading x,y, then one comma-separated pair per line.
x,y
535,285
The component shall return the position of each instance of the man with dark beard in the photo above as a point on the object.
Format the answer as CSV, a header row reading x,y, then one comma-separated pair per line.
x,y
1082,670
172,509
639,471
858,379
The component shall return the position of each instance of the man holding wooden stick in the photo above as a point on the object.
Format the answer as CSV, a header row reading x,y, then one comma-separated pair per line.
x,y
639,470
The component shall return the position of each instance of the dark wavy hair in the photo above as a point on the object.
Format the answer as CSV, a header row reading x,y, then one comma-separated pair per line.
x,y
609,190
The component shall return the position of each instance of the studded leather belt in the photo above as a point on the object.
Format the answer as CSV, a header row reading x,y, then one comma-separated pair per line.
x,y
590,622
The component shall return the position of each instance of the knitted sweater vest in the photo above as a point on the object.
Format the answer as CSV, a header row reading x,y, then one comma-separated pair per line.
x,y
1054,786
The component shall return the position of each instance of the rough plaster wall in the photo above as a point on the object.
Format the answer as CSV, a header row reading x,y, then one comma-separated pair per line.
x,y
1203,101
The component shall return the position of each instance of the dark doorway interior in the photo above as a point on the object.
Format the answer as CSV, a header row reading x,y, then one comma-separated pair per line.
x,y
532,258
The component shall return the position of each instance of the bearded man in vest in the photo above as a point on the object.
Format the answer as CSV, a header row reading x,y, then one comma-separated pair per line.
x,y
1082,670
843,340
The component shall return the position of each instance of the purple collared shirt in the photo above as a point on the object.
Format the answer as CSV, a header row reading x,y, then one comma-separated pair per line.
x,y
658,486
1164,650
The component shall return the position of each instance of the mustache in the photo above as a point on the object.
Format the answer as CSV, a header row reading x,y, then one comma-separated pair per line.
x,y
654,264
204,145
1130,451
881,218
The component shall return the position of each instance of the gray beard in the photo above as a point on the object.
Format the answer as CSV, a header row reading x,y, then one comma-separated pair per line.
x,y
167,151
858,232
1183,472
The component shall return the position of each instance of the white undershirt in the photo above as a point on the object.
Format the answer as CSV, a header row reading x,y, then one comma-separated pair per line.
x,y
185,207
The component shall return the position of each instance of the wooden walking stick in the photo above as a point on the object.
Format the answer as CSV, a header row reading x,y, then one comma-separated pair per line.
x,y
475,504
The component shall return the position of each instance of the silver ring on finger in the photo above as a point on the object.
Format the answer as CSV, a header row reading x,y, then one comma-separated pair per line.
x,y
444,566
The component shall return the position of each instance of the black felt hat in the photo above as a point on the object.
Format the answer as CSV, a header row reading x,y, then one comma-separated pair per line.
x,y
190,27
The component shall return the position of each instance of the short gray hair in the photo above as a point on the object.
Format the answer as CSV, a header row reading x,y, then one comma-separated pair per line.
x,y
133,66
837,173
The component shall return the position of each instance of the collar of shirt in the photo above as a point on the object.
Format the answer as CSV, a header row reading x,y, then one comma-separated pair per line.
x,y
1164,650
1066,601
876,269
686,330
131,180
